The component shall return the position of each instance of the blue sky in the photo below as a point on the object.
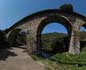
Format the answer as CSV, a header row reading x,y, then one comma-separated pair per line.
x,y
12,11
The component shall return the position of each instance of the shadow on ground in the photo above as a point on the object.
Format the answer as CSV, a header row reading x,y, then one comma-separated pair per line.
x,y
5,53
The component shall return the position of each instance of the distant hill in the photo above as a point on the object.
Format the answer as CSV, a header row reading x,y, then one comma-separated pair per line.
x,y
53,36
83,36
56,35
60,41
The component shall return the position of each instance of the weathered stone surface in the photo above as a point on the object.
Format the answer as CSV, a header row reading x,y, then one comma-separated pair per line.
x,y
34,24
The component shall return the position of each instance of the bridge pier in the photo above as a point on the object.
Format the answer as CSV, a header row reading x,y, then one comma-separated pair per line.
x,y
74,43
31,43
74,47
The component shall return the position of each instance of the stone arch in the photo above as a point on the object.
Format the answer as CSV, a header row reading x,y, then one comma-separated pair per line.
x,y
55,18
58,19
64,14
83,25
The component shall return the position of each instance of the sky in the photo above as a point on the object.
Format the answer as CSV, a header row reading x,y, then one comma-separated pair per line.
x,y
11,11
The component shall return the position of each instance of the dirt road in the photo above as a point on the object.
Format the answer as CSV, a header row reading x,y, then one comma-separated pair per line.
x,y
17,59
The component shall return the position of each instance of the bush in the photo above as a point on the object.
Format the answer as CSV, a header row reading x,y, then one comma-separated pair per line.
x,y
3,41
16,39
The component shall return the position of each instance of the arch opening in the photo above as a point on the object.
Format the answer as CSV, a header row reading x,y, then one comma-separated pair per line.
x,y
54,28
17,38
55,40
51,20
83,38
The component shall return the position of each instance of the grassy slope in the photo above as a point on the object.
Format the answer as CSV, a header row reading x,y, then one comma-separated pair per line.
x,y
64,61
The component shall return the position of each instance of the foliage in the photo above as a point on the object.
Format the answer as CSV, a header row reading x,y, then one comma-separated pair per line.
x,y
16,38
83,36
61,61
54,42
35,57
66,61
2,35
3,40
60,42
66,8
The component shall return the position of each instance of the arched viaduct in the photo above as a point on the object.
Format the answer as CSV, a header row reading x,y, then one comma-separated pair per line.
x,y
34,24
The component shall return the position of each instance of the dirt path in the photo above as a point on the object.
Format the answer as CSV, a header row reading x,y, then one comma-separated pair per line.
x,y
17,59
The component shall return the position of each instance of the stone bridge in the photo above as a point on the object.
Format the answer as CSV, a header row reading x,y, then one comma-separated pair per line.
x,y
34,24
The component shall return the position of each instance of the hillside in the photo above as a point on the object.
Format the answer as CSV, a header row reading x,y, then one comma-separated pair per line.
x,y
53,36
56,35
83,36
59,41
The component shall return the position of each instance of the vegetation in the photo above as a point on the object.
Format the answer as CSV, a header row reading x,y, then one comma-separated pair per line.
x,y
56,43
61,60
17,38
66,58
3,41
67,8
83,36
